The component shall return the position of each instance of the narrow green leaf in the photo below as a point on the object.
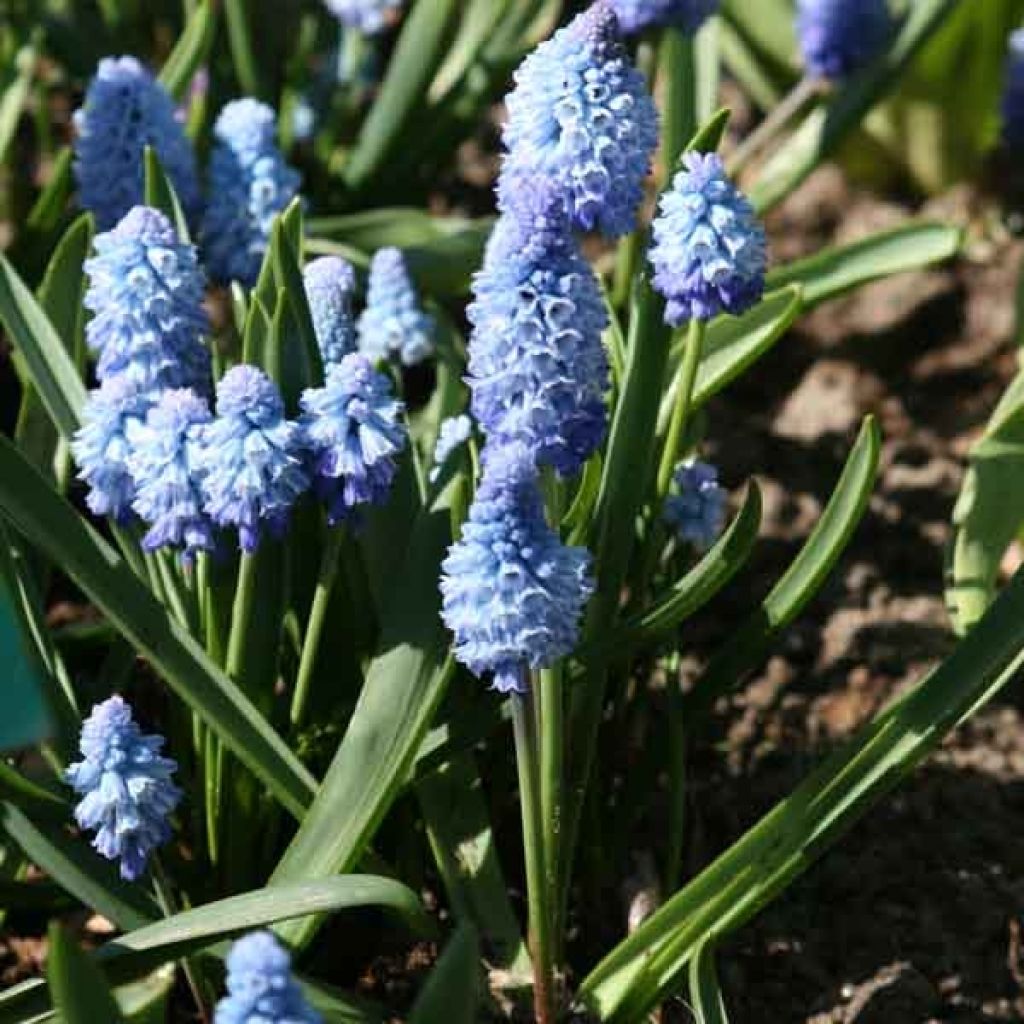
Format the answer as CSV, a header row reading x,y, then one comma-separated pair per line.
x,y
15,90
46,212
705,991
160,194
400,226
42,802
192,49
710,134
80,992
453,989
256,335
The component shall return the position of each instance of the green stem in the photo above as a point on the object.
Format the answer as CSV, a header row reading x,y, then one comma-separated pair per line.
x,y
681,409
241,613
676,780
314,628
552,750
537,891
677,67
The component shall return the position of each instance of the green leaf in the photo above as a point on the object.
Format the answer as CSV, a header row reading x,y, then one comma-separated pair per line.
x,y
160,194
46,212
400,226
15,90
453,990
709,136
62,535
80,992
191,50
337,1007
705,991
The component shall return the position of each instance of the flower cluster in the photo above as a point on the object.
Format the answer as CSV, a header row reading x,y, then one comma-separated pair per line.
x,y
838,37
709,252
697,511
453,433
125,785
330,283
688,15
125,110
1013,93
367,16
393,324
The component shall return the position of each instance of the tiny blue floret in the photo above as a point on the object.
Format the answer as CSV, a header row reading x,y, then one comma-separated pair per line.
x,y
370,17
580,113
697,511
393,325
453,433
125,110
1013,93
512,592
330,284
249,185
838,37
709,253
251,460
688,15
125,785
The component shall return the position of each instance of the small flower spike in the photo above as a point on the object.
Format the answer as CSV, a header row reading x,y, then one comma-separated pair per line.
x,y
125,785
393,324
251,459
697,511
330,285
709,253
261,988
838,37
371,17
249,185
453,433
512,593
537,366
355,431
1013,93
580,113
125,110
102,446
164,465
688,15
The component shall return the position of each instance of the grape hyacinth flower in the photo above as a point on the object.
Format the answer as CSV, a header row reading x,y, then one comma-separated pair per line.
x,y
251,460
146,295
249,185
125,110
688,15
454,432
709,253
354,431
261,988
393,324
838,37
330,283
1013,93
125,785
537,366
102,446
512,593
371,17
697,511
580,114
164,465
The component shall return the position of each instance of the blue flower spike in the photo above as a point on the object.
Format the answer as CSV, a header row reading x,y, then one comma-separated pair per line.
x,y
261,987
393,325
688,15
330,285
252,461
839,37
249,185
580,114
512,593
1013,93
709,252
537,365
697,511
371,17
125,785
355,431
125,110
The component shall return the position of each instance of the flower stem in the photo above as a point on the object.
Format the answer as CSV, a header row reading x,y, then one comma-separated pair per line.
x,y
241,613
681,408
552,747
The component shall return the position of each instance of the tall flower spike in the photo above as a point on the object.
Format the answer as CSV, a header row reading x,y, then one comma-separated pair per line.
x,y
512,593
164,465
252,460
371,17
393,324
102,445
537,366
249,185
354,430
146,295
1013,93
709,252
330,284
454,432
125,110
697,511
580,114
688,15
261,989
838,37
125,785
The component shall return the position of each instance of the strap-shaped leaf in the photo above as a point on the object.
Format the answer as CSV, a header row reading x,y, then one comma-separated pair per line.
x,y
80,992
160,193
191,50
453,989
399,226
705,991
14,89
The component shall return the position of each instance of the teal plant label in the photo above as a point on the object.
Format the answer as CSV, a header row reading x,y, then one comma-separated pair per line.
x,y
23,717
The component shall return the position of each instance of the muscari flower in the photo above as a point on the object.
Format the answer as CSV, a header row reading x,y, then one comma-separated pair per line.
x,y
454,432
512,593
125,110
697,511
249,185
125,785
330,283
102,446
261,988
393,324
164,466
251,460
354,431
367,16
537,366
580,114
838,37
688,15
1013,93
146,295
709,252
